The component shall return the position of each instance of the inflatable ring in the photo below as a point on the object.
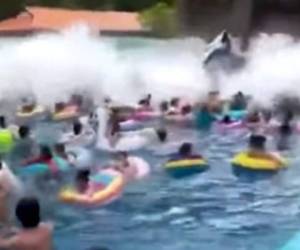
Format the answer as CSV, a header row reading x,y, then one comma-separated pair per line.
x,y
237,114
6,141
68,113
243,160
43,168
113,186
36,111
185,167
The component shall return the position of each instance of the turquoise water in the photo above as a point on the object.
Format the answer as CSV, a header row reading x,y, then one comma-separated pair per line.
x,y
213,210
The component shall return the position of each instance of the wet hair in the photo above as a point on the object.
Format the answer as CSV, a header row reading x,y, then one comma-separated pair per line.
x,y
59,106
285,129
2,122
28,212
45,151
83,175
257,141
174,102
77,128
226,119
185,149
162,134
1,165
187,109
24,131
164,106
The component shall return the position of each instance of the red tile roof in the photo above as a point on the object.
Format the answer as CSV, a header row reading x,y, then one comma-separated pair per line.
x,y
54,19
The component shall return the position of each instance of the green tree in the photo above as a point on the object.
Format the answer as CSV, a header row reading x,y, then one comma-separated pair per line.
x,y
11,8
161,19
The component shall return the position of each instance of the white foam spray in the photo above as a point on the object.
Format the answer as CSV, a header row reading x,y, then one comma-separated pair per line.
x,y
52,65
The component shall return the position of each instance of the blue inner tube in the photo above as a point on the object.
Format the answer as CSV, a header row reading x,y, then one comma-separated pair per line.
x,y
43,168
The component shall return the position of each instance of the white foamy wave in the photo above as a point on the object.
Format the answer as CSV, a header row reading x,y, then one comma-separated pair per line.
x,y
53,65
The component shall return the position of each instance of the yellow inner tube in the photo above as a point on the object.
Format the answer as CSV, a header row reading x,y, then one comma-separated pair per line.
x,y
186,163
245,161
69,195
37,110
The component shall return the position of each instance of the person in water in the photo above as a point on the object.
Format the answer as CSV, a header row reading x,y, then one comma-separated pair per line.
x,y
186,151
257,148
239,102
226,119
174,106
3,124
45,156
113,127
82,182
60,151
145,104
25,147
34,235
162,135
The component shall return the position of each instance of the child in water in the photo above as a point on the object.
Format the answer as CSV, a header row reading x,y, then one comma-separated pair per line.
x,y
34,234
257,149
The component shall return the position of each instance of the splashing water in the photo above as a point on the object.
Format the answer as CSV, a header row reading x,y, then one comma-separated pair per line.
x,y
50,66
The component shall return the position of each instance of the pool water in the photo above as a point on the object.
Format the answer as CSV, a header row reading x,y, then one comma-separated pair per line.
x,y
213,210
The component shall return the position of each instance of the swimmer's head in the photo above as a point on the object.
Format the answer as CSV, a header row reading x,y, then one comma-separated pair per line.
x,y
187,109
45,152
82,179
185,149
2,122
24,132
226,119
28,212
162,134
174,102
60,148
164,106
77,128
59,106
257,142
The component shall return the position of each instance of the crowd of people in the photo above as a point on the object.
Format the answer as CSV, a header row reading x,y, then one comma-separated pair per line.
x,y
21,148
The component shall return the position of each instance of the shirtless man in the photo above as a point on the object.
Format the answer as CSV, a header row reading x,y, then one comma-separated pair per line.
x,y
34,235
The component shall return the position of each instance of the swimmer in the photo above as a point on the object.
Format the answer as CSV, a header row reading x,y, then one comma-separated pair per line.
x,y
162,135
34,235
253,117
186,151
25,146
164,107
174,106
77,128
145,104
257,149
239,102
226,119
186,110
44,157
3,124
125,164
82,182
113,127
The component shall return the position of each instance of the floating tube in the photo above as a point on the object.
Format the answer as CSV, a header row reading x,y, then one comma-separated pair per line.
x,y
184,120
38,110
128,141
69,112
131,125
293,243
184,167
138,169
146,115
110,184
243,160
229,126
6,141
38,169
